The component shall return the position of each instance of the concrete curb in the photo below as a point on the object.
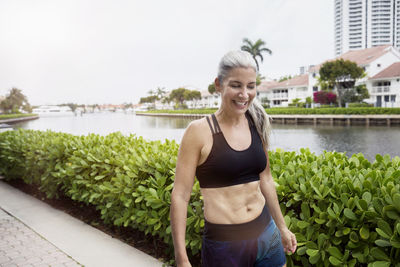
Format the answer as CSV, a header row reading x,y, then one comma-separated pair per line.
x,y
84,243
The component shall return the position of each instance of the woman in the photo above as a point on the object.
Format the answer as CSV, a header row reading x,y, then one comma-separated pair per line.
x,y
227,152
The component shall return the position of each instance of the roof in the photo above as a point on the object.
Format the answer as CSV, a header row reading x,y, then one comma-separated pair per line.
x,y
391,71
266,85
361,57
205,93
301,80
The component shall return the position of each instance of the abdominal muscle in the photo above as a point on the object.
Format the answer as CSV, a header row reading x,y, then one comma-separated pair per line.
x,y
233,204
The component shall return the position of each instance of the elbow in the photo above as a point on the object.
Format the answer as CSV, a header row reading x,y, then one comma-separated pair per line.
x,y
178,197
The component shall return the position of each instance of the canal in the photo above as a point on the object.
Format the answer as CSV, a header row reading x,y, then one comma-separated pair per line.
x,y
350,139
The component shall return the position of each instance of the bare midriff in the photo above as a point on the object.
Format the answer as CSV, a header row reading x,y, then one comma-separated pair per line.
x,y
233,204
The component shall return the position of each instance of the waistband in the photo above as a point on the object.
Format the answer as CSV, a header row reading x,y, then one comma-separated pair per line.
x,y
235,232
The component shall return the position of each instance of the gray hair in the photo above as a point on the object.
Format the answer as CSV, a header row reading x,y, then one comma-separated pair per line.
x,y
243,59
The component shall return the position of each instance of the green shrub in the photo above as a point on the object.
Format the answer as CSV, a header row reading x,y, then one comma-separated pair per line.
x,y
344,211
324,109
13,116
360,105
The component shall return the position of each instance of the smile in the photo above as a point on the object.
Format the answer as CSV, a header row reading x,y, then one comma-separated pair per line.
x,y
241,104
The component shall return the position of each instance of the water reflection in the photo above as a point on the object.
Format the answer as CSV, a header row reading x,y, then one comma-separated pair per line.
x,y
350,139
163,122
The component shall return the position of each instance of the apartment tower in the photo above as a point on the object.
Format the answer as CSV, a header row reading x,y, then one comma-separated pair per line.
x,y
363,24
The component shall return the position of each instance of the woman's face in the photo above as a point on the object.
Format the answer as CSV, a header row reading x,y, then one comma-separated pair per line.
x,y
237,90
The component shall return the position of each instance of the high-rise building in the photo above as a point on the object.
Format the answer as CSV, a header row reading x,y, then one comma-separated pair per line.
x,y
361,24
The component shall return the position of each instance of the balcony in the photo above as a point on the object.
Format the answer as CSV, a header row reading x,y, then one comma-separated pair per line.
x,y
380,89
280,96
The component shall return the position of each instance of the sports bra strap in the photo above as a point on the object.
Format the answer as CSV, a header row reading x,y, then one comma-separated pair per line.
x,y
216,125
209,124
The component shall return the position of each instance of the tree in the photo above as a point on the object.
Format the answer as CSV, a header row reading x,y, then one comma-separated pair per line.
x,y
285,78
259,78
255,49
148,99
340,75
296,101
15,101
356,94
160,92
211,88
308,101
181,94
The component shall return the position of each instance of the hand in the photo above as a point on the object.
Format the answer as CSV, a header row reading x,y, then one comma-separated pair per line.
x,y
289,241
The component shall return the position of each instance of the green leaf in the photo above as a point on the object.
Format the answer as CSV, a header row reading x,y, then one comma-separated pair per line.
x,y
383,243
381,264
153,192
302,224
334,251
385,227
354,237
364,232
396,201
378,254
335,261
349,214
99,177
314,259
367,197
312,252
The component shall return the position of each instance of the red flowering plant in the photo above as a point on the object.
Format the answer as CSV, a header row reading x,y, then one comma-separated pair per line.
x,y
324,97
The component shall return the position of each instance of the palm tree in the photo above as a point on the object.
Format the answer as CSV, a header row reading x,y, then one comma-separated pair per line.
x,y
160,92
255,49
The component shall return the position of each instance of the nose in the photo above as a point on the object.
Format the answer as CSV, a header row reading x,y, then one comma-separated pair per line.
x,y
244,93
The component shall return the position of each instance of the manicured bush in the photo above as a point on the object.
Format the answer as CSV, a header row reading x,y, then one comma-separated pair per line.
x,y
360,105
325,109
12,116
344,211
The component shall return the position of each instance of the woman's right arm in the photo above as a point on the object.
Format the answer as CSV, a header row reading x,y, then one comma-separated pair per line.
x,y
188,158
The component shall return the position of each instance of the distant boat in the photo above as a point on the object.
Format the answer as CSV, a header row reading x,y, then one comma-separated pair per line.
x,y
50,111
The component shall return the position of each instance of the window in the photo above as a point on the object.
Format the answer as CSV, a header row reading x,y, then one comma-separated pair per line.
x,y
315,88
378,65
386,98
393,98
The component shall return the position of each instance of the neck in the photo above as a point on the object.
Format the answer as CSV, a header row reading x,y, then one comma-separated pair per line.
x,y
226,117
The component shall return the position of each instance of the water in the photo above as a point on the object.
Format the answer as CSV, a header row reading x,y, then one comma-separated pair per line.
x,y
350,139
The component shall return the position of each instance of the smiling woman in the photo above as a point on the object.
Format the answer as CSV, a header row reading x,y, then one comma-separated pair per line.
x,y
227,152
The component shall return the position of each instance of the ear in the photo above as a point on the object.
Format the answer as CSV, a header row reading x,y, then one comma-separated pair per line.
x,y
217,85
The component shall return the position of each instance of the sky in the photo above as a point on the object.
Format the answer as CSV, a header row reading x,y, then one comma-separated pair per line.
x,y
116,51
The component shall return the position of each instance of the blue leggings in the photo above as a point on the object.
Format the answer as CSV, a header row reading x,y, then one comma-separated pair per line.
x,y
264,250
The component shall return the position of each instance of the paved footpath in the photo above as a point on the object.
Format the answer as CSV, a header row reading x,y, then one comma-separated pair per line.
x,y
21,246
32,233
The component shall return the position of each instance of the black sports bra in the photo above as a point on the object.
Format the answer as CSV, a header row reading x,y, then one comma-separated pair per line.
x,y
226,166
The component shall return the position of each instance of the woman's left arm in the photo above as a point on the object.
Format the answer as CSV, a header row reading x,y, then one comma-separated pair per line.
x,y
267,185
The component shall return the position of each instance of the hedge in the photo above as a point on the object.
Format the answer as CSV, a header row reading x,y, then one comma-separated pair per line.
x,y
13,116
294,110
344,211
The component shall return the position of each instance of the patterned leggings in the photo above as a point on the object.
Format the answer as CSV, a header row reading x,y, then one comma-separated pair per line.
x,y
264,250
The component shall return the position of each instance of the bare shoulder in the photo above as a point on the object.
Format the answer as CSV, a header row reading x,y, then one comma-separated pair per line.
x,y
196,133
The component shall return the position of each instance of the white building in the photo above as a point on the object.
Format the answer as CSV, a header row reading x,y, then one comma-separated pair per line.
x,y
385,87
207,101
281,94
375,61
360,24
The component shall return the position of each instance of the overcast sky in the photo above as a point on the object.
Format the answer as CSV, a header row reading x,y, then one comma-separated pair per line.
x,y
99,51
